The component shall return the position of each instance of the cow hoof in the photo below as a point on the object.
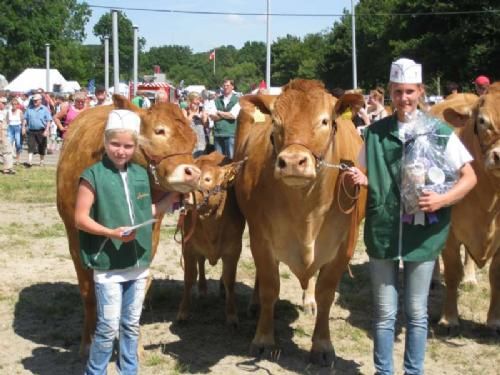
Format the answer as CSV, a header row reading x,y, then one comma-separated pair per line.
x,y
445,329
84,350
270,352
470,281
323,358
182,317
494,325
309,308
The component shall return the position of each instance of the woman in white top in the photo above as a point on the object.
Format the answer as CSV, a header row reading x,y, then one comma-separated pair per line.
x,y
14,120
376,109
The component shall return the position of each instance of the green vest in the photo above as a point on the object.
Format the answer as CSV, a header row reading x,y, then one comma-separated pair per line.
x,y
110,209
223,127
384,152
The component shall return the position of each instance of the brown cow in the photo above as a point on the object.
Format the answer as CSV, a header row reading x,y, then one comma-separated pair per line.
x,y
475,220
295,199
165,146
217,233
462,103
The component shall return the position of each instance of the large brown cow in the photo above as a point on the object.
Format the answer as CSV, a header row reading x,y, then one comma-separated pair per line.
x,y
294,201
165,146
475,220
217,233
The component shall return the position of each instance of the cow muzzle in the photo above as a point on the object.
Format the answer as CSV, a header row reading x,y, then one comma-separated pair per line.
x,y
295,166
184,178
492,161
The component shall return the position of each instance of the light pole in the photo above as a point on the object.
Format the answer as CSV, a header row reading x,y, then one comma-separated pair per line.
x,y
47,62
116,62
135,28
106,64
268,51
354,64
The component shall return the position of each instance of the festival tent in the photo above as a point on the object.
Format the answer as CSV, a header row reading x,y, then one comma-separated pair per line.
x,y
194,88
3,82
71,86
123,89
32,79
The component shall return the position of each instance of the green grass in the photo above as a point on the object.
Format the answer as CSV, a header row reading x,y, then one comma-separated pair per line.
x,y
54,230
34,185
155,359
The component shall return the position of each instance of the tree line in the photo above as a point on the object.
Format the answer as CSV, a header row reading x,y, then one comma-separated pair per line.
x,y
455,41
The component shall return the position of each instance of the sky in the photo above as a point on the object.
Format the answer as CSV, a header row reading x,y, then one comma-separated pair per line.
x,y
202,32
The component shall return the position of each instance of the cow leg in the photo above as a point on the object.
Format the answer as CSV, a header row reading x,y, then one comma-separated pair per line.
x,y
308,300
269,288
202,279
253,306
493,320
453,273
190,274
436,275
469,270
322,351
229,264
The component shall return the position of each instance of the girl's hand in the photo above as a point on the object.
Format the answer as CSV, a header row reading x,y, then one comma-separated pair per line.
x,y
123,234
357,177
430,201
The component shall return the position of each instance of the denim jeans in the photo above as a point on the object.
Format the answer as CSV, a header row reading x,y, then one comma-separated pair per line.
x,y
119,307
384,279
225,145
14,136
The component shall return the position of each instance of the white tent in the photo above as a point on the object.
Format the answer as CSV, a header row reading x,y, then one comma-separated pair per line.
x,y
3,82
71,86
32,79
195,88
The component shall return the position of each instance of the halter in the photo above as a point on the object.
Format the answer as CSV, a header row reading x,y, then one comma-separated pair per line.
x,y
153,164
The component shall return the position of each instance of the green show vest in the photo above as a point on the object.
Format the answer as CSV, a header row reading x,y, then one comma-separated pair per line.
x,y
384,153
223,127
110,209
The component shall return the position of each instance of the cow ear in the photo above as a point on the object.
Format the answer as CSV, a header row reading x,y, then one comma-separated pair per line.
x,y
348,100
231,170
265,103
455,118
121,102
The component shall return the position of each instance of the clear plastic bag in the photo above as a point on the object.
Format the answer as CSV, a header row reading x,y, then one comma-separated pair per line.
x,y
424,165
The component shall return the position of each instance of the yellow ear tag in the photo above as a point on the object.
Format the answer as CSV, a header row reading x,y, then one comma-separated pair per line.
x,y
258,116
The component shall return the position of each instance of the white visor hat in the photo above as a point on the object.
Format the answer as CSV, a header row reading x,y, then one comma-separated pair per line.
x,y
123,119
406,71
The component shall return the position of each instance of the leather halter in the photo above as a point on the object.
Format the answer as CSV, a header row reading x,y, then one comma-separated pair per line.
x,y
319,158
153,164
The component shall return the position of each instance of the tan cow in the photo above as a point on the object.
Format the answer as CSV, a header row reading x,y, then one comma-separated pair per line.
x,y
165,146
462,103
217,233
475,220
296,201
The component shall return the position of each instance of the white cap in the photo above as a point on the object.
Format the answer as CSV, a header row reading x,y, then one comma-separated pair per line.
x,y
406,71
37,97
123,119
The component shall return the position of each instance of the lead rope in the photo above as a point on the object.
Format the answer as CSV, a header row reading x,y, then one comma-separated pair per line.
x,y
181,225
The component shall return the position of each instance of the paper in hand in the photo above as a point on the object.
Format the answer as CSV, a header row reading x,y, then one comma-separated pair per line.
x,y
131,229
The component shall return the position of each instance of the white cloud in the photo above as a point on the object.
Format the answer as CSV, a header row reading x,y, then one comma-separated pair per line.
x,y
235,19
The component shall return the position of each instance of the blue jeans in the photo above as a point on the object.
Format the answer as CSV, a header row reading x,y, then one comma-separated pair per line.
x,y
417,280
225,145
119,307
14,136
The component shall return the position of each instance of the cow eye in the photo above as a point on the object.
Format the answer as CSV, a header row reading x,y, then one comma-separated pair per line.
x,y
207,179
160,131
324,122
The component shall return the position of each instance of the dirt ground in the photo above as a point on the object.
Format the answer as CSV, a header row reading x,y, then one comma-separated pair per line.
x,y
42,314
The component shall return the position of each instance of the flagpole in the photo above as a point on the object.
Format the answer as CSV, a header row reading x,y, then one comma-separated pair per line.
x,y
214,60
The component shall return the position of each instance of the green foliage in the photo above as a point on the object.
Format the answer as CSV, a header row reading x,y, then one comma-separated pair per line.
x,y
27,25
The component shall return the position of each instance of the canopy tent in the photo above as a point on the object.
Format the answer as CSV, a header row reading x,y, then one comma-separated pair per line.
x,y
123,89
3,82
32,79
194,88
71,86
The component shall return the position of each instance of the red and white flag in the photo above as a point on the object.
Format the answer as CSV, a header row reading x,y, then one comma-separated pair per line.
x,y
212,55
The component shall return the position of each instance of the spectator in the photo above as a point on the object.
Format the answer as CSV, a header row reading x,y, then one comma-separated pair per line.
x,y
36,123
15,119
451,88
376,110
101,96
68,113
5,144
161,96
227,110
391,237
481,83
198,119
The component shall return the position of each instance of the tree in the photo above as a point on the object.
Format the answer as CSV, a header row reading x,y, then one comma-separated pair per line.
x,y
27,25
103,28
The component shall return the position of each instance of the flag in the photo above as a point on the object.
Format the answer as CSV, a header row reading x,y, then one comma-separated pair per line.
x,y
91,86
212,55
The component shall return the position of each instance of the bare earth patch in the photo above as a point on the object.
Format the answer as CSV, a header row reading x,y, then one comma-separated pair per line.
x,y
42,314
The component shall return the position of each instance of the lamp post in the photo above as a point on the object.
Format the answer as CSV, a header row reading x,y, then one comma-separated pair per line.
x,y
268,50
47,73
135,28
116,62
106,63
354,63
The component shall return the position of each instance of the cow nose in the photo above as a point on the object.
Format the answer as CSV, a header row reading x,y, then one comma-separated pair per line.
x,y
191,174
295,161
496,157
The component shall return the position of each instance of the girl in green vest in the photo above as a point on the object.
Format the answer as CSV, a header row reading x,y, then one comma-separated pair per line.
x,y
391,235
114,195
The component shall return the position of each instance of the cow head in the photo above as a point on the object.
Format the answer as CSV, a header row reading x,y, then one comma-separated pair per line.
x,y
165,147
487,128
302,129
217,175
